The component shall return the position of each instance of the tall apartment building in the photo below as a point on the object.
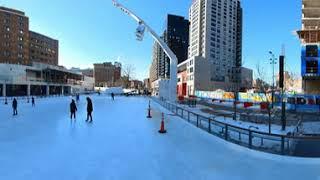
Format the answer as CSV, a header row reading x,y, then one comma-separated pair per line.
x,y
19,45
215,46
176,36
310,41
14,37
43,49
154,68
107,74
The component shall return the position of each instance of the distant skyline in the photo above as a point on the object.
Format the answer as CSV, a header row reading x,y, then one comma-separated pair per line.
x,y
95,31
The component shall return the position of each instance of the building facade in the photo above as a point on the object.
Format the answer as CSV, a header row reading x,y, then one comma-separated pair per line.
x,y
154,68
14,37
19,45
215,37
246,80
38,80
176,36
87,72
43,49
107,74
310,41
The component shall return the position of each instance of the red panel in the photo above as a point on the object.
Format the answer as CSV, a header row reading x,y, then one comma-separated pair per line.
x,y
184,89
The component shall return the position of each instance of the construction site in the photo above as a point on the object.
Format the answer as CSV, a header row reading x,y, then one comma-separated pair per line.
x,y
309,36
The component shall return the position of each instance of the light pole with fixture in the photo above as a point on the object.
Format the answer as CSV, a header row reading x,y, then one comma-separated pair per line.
x,y
273,62
142,27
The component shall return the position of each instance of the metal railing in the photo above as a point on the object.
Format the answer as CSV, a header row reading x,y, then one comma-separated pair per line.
x,y
250,138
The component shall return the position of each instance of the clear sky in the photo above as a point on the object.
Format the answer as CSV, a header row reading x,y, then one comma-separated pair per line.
x,y
91,31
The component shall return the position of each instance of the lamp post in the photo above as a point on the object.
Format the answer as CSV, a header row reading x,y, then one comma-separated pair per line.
x,y
142,27
273,62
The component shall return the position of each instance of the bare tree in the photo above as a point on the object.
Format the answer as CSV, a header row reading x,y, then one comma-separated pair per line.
x,y
128,73
263,87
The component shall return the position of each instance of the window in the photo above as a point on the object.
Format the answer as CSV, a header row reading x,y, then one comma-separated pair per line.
x,y
312,67
6,21
7,28
20,55
21,31
20,38
6,53
191,70
6,44
312,51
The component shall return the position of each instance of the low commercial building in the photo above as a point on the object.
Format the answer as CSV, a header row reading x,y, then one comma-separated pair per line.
x,y
38,79
136,84
87,72
194,75
107,74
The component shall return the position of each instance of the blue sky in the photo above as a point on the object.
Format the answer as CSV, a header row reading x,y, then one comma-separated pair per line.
x,y
94,31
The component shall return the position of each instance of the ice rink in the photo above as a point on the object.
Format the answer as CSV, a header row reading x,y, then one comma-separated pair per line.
x,y
41,143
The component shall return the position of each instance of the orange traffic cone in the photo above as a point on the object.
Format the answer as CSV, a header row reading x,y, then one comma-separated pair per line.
x,y
162,130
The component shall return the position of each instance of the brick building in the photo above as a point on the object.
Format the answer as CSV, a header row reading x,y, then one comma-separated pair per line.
x,y
43,49
14,37
107,74
19,45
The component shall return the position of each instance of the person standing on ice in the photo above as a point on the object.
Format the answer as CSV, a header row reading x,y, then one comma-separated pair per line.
x,y
33,102
89,109
15,106
112,96
73,109
78,98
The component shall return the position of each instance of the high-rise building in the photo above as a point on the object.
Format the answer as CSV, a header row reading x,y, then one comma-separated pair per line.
x,y
43,49
176,36
107,74
14,37
154,68
215,46
310,40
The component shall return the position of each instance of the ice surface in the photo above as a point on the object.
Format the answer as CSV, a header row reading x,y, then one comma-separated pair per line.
x,y
42,144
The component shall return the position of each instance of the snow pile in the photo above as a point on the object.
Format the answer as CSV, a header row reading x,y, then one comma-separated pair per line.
x,y
114,90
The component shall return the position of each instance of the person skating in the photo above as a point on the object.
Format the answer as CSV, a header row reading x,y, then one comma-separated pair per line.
x,y
78,98
73,109
112,96
15,106
33,102
89,109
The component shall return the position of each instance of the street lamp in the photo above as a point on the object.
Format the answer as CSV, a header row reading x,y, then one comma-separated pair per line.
x,y
142,27
273,62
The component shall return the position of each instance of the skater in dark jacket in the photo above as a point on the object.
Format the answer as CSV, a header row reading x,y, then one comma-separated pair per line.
x,y
33,102
112,96
15,106
73,109
89,109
